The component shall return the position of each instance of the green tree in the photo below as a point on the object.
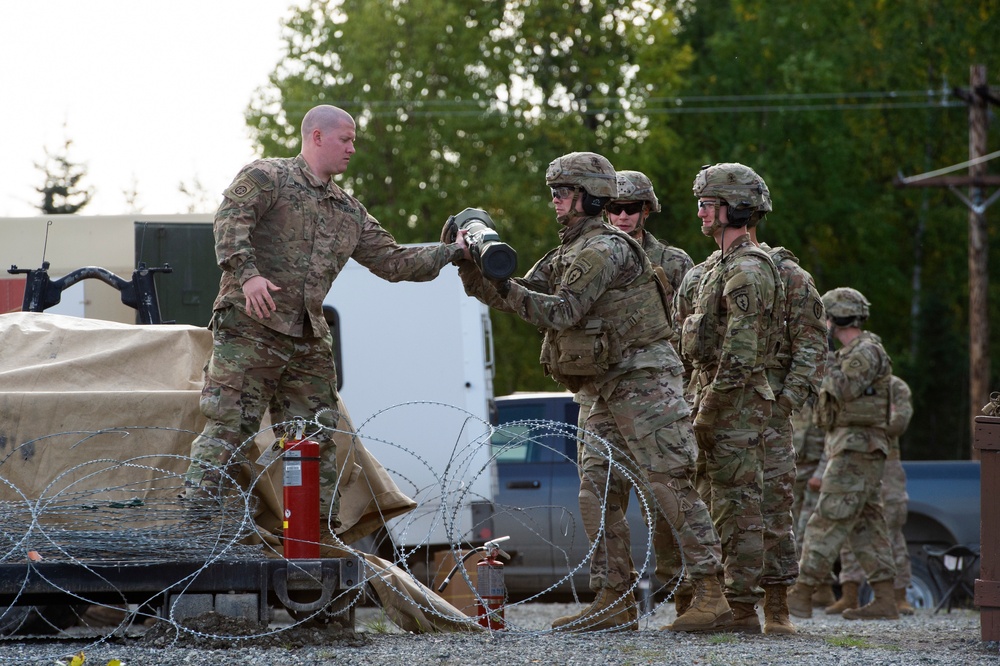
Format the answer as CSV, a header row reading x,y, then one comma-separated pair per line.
x,y
62,192
464,103
801,92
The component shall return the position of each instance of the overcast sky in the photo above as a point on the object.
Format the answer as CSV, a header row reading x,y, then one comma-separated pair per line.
x,y
148,92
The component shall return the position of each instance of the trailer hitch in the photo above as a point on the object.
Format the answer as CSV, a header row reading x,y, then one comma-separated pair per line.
x,y
306,576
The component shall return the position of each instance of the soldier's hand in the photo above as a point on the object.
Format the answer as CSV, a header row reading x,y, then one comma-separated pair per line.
x,y
449,231
257,291
502,286
782,407
463,242
704,429
814,483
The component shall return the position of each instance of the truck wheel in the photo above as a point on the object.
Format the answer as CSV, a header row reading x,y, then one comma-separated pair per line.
x,y
923,592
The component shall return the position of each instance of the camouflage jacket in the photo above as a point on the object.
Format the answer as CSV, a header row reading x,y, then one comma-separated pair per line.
x,y
684,298
732,333
859,371
901,411
594,263
807,438
800,363
674,261
280,221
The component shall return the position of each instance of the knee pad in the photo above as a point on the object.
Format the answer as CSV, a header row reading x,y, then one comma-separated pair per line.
x,y
591,508
674,495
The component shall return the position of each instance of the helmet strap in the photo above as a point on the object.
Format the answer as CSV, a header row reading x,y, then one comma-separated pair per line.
x,y
716,225
573,213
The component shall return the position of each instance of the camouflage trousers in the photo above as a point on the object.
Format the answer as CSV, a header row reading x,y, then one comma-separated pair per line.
x,y
593,456
735,470
659,462
809,499
849,510
803,499
252,369
895,518
781,563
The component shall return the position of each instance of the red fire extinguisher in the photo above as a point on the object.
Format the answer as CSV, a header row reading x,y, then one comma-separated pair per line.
x,y
301,477
491,593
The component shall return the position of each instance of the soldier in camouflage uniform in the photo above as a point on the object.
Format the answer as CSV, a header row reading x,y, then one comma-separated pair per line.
x,y
807,439
629,212
604,315
730,340
894,499
794,374
854,408
283,233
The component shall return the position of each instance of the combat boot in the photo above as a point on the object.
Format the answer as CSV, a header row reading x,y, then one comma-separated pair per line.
x,y
709,610
824,596
776,620
848,599
745,619
903,606
799,600
682,601
882,607
610,611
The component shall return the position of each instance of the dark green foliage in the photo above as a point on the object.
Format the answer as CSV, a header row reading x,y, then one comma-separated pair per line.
x,y
463,103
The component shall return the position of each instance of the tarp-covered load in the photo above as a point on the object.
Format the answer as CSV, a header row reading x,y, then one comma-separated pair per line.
x,y
96,423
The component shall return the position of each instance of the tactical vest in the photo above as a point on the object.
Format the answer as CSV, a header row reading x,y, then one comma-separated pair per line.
x,y
783,357
622,318
870,409
703,332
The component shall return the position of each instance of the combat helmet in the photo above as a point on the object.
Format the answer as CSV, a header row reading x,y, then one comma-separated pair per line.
x,y
635,186
844,304
739,187
590,172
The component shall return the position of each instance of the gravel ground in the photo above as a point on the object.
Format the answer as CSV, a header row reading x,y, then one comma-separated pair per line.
x,y
951,639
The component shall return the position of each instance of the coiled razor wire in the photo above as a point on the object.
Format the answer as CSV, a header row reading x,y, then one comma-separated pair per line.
x,y
131,510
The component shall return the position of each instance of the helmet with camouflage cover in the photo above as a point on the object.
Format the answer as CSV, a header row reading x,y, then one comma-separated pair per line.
x,y
590,171
737,185
636,186
845,303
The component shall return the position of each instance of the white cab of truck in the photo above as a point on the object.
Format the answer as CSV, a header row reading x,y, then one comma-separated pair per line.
x,y
417,378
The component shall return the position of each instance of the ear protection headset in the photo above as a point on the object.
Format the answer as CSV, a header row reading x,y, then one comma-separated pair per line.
x,y
593,205
738,217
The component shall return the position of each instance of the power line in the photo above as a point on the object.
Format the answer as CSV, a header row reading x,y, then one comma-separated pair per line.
x,y
891,100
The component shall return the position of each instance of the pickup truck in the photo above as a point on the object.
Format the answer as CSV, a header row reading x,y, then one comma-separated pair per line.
x,y
536,482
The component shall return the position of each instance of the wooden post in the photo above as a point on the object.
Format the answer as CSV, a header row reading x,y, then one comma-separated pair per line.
x,y
987,443
979,323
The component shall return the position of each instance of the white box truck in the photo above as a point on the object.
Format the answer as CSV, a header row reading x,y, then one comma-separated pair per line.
x,y
417,377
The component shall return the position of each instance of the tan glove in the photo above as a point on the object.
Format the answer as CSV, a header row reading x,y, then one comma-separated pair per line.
x,y
704,422
449,232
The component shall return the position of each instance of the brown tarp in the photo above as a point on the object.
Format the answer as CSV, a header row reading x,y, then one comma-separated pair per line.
x,y
94,411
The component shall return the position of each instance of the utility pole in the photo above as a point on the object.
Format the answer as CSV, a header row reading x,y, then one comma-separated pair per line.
x,y
978,97
979,321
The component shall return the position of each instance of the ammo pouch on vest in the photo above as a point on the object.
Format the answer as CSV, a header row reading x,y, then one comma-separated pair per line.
x,y
870,409
585,351
825,411
698,339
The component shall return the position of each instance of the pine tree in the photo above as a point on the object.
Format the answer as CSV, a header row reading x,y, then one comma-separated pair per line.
x,y
62,193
